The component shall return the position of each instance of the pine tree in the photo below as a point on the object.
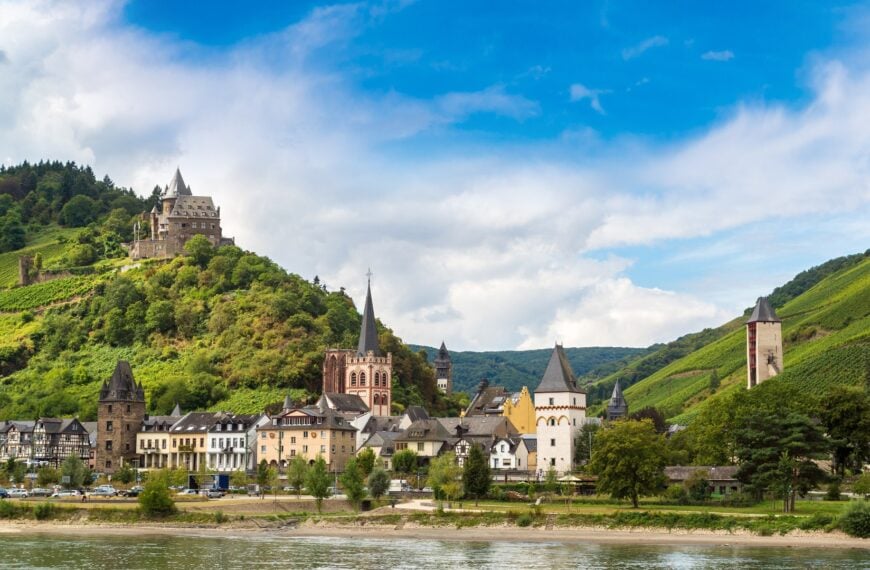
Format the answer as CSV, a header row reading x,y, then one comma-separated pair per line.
x,y
476,475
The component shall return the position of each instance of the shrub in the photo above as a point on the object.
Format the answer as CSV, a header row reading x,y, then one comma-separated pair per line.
x,y
833,493
44,511
856,520
765,530
155,500
676,494
220,517
7,510
524,519
818,521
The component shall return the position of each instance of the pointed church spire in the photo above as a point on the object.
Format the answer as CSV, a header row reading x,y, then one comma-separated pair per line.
x,y
368,337
288,403
176,411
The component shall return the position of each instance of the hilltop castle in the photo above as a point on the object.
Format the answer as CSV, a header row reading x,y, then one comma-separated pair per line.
x,y
180,217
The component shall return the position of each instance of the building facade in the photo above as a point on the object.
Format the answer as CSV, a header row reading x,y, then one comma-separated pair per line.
x,y
365,372
181,216
560,408
54,440
120,413
519,409
444,370
308,432
763,344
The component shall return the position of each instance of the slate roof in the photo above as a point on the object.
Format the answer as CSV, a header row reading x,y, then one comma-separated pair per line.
x,y
194,206
343,403
176,411
386,440
531,441
176,186
24,426
763,312
477,426
443,355
683,472
415,413
558,377
487,400
426,430
57,425
617,406
368,336
382,423
122,386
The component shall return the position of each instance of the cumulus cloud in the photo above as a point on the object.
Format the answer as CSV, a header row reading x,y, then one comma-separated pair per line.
x,y
493,247
723,55
649,43
579,92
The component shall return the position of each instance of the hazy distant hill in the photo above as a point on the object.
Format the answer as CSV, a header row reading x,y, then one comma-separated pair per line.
x,y
517,368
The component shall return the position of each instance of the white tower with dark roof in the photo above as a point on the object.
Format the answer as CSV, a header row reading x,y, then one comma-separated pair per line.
x,y
763,344
560,410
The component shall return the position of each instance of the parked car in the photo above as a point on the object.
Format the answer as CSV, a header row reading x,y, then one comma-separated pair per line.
x,y
69,493
4,494
132,491
193,492
40,492
17,493
103,492
213,493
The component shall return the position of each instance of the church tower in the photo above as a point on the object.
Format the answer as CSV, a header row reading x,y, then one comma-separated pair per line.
x,y
444,370
120,413
763,344
368,373
560,409
617,407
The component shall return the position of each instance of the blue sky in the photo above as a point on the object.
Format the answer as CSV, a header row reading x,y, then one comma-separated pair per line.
x,y
515,173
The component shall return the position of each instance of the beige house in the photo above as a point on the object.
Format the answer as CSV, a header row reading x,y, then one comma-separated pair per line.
x,y
428,438
308,432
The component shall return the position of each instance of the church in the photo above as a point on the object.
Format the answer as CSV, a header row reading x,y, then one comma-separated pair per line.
x,y
364,372
181,216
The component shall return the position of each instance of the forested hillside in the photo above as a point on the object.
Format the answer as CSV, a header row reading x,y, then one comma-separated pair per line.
x,y
826,334
220,328
514,369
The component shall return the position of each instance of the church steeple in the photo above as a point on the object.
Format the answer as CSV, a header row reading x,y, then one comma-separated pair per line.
x,y
617,407
368,337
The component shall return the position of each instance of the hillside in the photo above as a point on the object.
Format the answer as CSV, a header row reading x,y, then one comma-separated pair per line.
x,y
218,329
826,333
514,369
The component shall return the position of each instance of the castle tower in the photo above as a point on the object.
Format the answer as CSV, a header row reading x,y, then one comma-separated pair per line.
x,y
120,413
763,344
560,409
617,407
444,370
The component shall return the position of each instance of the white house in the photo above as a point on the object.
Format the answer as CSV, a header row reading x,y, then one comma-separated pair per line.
x,y
560,408
231,442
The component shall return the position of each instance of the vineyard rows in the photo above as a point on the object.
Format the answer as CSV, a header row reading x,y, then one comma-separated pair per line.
x,y
23,298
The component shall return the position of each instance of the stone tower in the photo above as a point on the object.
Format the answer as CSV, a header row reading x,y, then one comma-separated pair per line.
x,y
120,414
560,409
444,370
617,407
364,371
763,344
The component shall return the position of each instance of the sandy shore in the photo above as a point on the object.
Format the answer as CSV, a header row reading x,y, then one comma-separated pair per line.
x,y
490,534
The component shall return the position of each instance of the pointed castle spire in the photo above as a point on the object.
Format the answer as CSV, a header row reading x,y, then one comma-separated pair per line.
x,y
617,407
763,312
288,403
176,411
368,337
558,377
177,187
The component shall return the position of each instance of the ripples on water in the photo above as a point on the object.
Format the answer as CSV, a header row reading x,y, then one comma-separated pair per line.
x,y
236,552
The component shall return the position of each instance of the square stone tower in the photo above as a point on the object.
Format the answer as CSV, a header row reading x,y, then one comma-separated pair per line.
x,y
120,414
763,344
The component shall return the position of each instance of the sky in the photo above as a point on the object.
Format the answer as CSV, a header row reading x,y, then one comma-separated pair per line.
x,y
514,173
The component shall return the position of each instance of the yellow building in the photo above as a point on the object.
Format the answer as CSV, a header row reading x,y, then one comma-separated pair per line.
x,y
306,432
520,410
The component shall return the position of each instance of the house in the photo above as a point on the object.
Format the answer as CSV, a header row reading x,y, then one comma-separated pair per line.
x,y
232,441
721,479
488,401
383,444
17,440
476,430
428,438
187,441
54,440
152,441
120,412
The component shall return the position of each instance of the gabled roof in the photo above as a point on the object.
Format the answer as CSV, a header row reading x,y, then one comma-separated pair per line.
x,y
478,426
194,206
348,403
176,186
368,336
558,377
488,398
122,386
763,312
712,473
176,411
425,430
415,413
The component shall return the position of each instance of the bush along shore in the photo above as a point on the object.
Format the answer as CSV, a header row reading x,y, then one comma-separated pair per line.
x,y
854,521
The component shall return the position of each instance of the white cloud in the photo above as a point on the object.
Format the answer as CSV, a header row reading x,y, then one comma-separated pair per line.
x,y
723,55
579,92
486,247
649,43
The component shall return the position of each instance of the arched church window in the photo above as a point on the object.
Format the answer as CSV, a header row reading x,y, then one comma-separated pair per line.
x,y
385,379
552,421
353,378
377,399
362,378
377,379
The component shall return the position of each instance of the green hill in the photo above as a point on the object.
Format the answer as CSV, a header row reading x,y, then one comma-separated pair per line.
x,y
826,332
514,369
221,329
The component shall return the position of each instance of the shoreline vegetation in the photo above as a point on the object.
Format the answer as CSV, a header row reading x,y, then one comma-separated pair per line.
x,y
634,527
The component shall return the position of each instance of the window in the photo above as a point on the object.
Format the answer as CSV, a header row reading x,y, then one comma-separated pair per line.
x,y
164,444
110,408
552,442
323,449
201,442
108,463
322,434
362,378
552,401
420,446
551,421
553,461
109,445
377,379
174,443
575,401
109,426
128,408
352,380
304,434
127,446
220,443
127,426
293,439
506,462
304,449
262,435
142,444
262,449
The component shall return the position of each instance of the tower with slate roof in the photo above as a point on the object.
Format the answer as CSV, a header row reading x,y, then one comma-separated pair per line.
x,y
120,413
763,344
617,407
444,370
560,410
365,372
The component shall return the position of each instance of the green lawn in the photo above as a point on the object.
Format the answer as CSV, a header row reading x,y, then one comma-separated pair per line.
x,y
45,242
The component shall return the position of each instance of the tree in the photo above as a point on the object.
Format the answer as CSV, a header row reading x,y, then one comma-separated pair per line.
x,y
551,479
155,499
379,483
476,474
405,461
74,468
16,470
239,478
272,480
776,452
653,414
584,443
629,460
366,461
297,471
200,250
714,380
353,482
317,482
160,316
697,486
444,476
845,413
125,474
46,476
79,212
862,486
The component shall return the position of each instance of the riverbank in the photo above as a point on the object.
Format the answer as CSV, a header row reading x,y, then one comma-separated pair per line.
x,y
321,528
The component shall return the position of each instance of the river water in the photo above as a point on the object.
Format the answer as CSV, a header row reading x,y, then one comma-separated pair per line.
x,y
238,552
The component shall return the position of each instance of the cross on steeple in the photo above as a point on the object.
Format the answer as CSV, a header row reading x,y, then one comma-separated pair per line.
x,y
369,275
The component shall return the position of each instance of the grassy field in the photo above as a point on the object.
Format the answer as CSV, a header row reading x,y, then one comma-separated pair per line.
x,y
45,242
